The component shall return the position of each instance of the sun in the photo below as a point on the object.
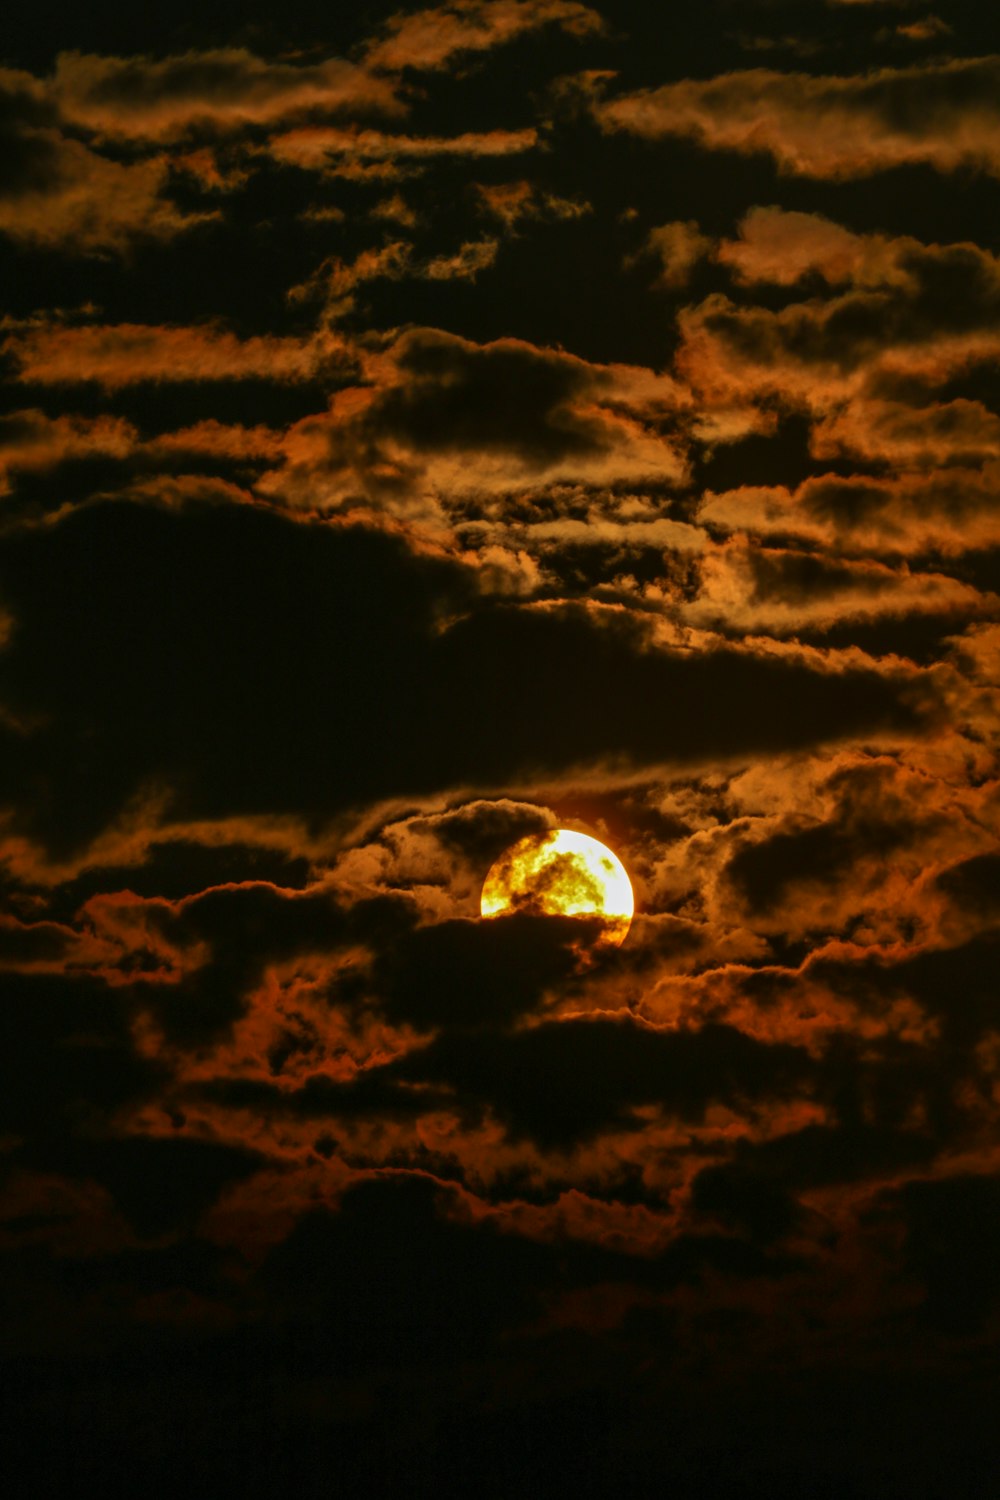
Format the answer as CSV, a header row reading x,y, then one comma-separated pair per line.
x,y
562,873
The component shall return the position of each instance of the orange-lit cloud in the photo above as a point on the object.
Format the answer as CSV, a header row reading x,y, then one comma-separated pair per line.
x,y
927,29
942,113
514,202
959,432
781,246
225,89
328,149
752,589
432,37
920,311
677,248
82,200
950,511
31,441
394,440
116,355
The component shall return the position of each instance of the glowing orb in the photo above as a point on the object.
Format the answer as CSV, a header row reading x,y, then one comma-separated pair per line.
x,y
562,873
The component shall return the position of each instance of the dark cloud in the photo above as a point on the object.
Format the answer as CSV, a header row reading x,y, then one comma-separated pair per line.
x,y
562,1082
801,576
918,638
161,1185
67,1056
910,514
400,1277
756,1189
508,396
953,1235
481,831
184,867
204,617
557,1083
920,298
245,929
203,611
30,153
479,974
957,984
395,1295
389,1281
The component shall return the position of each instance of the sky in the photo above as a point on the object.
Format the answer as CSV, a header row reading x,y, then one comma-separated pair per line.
x,y
422,427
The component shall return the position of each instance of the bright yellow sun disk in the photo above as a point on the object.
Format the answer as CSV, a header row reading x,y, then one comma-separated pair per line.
x,y
561,873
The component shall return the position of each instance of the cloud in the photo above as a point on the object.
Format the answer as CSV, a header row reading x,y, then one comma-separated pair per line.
x,y
316,601
225,89
67,1054
756,1190
677,247
465,264
470,974
949,510
387,653
753,589
61,193
117,355
160,1185
334,280
927,29
218,440
865,840
607,1070
911,311
346,152
228,954
583,539
942,113
31,442
71,198
433,37
514,202
876,328
961,433
438,857
782,246
541,1083
530,416
974,884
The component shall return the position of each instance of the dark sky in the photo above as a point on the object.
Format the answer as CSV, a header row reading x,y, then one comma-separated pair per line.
x,y
423,427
